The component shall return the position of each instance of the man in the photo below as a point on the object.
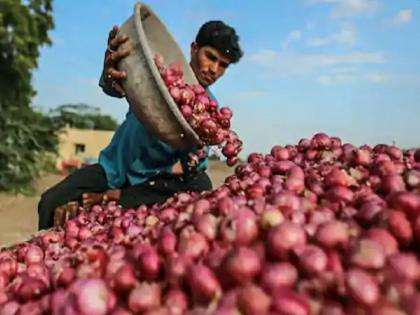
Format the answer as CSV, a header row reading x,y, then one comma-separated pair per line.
x,y
137,168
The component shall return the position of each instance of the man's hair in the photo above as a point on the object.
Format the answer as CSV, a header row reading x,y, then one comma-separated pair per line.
x,y
222,37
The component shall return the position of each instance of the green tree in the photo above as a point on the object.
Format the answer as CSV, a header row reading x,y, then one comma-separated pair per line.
x,y
83,116
28,136
23,29
29,143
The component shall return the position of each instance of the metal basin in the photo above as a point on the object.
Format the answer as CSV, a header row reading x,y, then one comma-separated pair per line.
x,y
145,90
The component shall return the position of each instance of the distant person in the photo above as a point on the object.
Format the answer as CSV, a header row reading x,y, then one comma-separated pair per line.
x,y
136,167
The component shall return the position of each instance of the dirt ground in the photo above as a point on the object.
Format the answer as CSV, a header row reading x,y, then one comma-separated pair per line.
x,y
18,213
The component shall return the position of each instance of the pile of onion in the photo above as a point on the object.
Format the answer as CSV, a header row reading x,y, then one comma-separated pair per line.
x,y
319,227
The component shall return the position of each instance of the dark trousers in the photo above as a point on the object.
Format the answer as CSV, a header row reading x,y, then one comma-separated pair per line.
x,y
92,178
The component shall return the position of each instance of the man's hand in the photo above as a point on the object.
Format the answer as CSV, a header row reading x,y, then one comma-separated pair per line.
x,y
112,76
65,213
91,199
177,169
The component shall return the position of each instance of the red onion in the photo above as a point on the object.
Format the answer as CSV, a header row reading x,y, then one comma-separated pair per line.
x,y
168,214
225,205
167,241
332,234
286,201
175,270
241,265
240,227
392,183
84,233
385,168
288,302
403,267
72,229
252,300
144,297
412,178
334,263
8,266
407,202
394,152
125,278
321,141
387,310
255,191
340,194
271,217
331,308
384,238
34,255
202,206
400,227
3,297
30,287
368,254
149,264
369,212
285,237
206,224
295,184
336,177
312,259
362,157
265,171
280,154
120,311
304,144
92,296
417,156
66,276
176,301
203,282
362,287
192,245
278,275
282,167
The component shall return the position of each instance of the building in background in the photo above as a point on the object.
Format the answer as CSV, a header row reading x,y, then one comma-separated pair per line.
x,y
79,147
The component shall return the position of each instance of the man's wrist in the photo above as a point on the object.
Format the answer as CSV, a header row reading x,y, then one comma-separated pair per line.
x,y
107,87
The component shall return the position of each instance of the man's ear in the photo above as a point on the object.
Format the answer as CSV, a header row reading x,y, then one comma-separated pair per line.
x,y
194,48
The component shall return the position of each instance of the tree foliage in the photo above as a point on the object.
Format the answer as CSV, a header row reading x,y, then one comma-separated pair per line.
x,y
83,116
29,142
27,136
24,27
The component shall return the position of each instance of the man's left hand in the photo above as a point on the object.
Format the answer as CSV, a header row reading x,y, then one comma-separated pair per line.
x,y
64,213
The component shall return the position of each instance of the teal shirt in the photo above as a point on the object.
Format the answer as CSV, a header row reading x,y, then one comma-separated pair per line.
x,y
135,155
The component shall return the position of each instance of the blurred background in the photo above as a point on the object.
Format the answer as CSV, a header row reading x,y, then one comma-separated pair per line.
x,y
349,68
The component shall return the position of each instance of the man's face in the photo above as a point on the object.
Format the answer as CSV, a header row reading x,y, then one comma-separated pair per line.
x,y
208,64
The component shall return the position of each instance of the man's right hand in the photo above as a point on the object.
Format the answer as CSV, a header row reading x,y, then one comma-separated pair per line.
x,y
112,76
